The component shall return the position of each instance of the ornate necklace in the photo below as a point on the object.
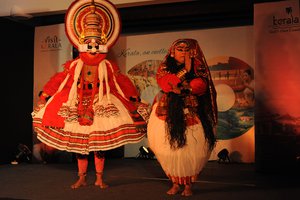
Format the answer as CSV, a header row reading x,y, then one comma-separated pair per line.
x,y
88,81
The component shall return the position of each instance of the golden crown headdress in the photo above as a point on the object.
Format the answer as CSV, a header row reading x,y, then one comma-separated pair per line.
x,y
92,22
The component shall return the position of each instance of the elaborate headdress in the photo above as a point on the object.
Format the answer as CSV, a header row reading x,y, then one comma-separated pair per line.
x,y
190,45
92,25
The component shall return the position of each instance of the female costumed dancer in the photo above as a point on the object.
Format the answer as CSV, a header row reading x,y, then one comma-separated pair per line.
x,y
184,115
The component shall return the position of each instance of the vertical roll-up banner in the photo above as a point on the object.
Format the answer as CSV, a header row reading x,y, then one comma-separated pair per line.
x,y
277,86
51,50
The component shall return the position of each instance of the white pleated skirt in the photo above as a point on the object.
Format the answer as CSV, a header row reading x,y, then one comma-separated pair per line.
x,y
112,127
183,162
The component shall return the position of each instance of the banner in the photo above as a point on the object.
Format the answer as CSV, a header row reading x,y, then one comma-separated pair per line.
x,y
51,50
277,113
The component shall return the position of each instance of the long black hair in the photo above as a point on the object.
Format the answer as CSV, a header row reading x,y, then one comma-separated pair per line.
x,y
176,125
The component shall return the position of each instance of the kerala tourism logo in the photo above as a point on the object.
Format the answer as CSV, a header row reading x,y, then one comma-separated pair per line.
x,y
51,43
287,23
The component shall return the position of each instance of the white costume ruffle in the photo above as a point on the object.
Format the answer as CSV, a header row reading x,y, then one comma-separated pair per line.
x,y
183,162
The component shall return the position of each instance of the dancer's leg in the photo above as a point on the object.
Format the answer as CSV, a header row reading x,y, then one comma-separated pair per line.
x,y
82,163
174,189
99,166
187,190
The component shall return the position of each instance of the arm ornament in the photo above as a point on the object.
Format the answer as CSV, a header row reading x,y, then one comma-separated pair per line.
x,y
181,74
44,96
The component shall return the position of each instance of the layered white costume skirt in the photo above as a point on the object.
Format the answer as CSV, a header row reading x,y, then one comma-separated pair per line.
x,y
184,164
112,127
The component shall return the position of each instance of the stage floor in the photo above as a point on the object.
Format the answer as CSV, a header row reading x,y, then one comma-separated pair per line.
x,y
138,179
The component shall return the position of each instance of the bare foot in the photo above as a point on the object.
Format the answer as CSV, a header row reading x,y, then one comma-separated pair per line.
x,y
101,184
79,183
99,181
174,189
187,191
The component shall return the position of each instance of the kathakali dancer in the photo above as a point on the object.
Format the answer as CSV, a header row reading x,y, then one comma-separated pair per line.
x,y
181,127
93,107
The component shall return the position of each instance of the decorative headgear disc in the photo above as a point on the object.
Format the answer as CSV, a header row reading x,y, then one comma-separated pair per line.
x,y
76,13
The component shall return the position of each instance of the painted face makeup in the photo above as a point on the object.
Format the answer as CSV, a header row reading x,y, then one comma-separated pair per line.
x,y
181,49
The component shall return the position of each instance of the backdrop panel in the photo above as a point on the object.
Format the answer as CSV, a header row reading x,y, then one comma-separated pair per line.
x,y
277,113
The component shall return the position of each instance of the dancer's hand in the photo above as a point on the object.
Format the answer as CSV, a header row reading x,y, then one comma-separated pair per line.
x,y
188,61
175,89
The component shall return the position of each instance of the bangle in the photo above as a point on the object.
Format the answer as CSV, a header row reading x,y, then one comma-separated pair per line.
x,y
181,74
44,96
